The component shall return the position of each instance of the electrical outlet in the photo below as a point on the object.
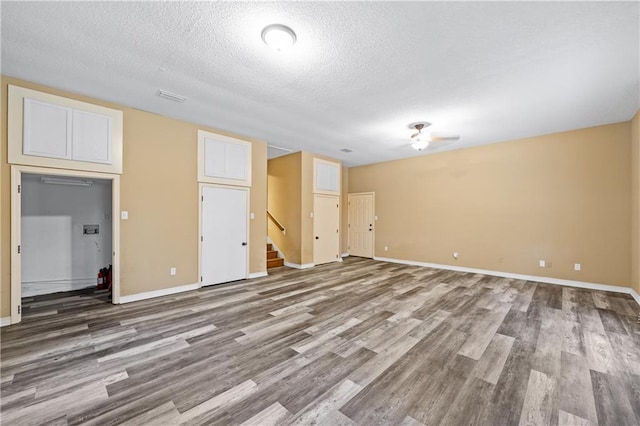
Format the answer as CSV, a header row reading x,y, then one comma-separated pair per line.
x,y
386,248
542,264
125,215
577,267
455,255
172,271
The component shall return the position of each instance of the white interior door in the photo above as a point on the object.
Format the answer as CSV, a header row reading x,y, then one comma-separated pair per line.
x,y
326,220
361,220
224,242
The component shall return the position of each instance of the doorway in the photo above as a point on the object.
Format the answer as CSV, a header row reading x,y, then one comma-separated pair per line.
x,y
361,218
326,228
50,250
224,234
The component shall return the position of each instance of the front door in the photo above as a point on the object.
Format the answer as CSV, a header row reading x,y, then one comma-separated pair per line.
x,y
224,234
326,220
361,220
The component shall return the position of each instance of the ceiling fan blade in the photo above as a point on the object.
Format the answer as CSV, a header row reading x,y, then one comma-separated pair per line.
x,y
440,138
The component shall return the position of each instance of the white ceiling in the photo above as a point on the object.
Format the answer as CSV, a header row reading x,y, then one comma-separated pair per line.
x,y
358,75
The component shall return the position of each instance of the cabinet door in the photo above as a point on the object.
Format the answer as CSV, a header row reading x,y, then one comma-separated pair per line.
x,y
91,137
47,129
327,176
223,160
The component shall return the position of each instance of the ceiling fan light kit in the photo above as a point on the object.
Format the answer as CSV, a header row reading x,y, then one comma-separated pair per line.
x,y
420,142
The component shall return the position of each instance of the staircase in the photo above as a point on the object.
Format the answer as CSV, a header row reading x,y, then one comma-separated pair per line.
x,y
273,261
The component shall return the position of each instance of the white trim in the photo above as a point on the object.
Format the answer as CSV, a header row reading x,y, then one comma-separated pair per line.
x,y
16,221
37,288
158,293
297,266
548,280
345,254
5,321
258,275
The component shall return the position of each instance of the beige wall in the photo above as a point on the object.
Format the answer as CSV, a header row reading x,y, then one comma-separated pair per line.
x,y
564,198
284,185
290,200
635,202
159,189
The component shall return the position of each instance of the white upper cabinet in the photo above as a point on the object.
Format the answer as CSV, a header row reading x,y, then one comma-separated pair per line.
x,y
52,131
91,137
326,177
47,129
224,160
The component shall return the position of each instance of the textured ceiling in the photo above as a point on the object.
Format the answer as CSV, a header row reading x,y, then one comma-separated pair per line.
x,y
358,75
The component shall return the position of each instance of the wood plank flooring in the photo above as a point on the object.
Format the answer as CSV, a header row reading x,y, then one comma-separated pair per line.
x,y
359,342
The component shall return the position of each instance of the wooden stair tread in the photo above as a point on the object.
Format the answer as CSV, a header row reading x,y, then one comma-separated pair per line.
x,y
274,263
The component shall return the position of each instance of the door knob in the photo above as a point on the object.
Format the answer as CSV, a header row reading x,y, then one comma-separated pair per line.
x,y
317,238
244,244
370,229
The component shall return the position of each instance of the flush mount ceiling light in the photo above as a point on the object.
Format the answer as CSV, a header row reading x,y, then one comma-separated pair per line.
x,y
278,37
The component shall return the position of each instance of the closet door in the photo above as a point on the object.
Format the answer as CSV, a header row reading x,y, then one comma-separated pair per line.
x,y
224,240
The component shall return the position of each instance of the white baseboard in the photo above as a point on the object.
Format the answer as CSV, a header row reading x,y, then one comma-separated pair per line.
x,y
297,266
547,280
36,288
257,275
158,293
345,254
5,321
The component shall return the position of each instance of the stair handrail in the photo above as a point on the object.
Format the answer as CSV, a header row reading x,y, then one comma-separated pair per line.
x,y
276,222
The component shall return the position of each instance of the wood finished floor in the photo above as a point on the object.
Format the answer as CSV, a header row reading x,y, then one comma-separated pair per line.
x,y
360,342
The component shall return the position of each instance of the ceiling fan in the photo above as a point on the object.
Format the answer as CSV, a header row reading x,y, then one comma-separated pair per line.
x,y
420,141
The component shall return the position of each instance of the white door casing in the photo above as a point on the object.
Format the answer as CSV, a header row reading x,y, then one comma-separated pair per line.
x,y
326,225
224,234
361,219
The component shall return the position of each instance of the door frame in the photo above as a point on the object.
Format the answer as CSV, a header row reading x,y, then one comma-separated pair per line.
x,y
16,226
338,200
247,190
373,237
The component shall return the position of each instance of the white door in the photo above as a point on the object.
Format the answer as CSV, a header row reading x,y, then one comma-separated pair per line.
x,y
326,220
361,220
224,242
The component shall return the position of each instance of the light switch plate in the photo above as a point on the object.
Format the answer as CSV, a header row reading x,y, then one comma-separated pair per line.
x,y
577,267
252,216
172,271
125,215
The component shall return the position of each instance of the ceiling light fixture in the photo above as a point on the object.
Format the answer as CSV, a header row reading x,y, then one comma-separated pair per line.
x,y
420,144
278,37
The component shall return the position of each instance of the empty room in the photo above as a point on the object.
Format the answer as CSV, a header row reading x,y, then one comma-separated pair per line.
x,y
320,213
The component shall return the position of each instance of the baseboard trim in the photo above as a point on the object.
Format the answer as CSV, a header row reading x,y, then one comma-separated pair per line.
x,y
38,288
158,293
297,266
547,280
5,321
345,254
257,275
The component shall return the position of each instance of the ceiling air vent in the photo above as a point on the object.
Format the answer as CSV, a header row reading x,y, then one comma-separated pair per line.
x,y
171,96
347,150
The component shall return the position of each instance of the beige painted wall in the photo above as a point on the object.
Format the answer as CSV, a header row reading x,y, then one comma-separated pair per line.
x,y
564,198
290,199
284,185
635,202
159,189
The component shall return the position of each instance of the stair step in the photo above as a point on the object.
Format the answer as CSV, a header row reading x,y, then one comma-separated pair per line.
x,y
274,263
272,254
269,247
